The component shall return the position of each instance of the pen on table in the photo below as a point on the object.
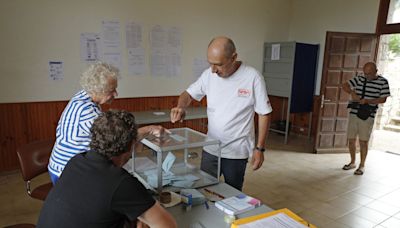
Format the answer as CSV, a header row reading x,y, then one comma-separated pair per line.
x,y
214,193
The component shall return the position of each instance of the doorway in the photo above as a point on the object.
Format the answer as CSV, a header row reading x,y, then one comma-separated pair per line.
x,y
386,133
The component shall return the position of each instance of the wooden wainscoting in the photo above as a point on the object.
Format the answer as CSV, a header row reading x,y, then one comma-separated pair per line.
x,y
21,123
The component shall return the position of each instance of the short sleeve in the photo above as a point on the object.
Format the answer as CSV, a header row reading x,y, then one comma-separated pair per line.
x,y
385,91
131,198
353,82
198,89
262,104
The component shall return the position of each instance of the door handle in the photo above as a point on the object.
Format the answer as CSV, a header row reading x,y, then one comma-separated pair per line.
x,y
323,100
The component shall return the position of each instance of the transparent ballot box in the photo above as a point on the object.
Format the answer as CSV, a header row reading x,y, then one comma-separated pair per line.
x,y
172,162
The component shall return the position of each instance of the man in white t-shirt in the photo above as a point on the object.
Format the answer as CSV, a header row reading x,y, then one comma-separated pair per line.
x,y
234,93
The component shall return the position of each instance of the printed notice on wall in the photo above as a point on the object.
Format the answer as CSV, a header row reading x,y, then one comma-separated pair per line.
x,y
90,47
56,72
276,52
166,49
199,65
136,61
111,43
136,52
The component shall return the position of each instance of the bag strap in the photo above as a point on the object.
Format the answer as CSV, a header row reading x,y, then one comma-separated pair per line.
x,y
363,89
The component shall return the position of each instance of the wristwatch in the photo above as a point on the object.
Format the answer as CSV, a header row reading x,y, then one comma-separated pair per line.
x,y
260,149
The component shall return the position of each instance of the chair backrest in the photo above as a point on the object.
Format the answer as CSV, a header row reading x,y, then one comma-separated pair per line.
x,y
34,157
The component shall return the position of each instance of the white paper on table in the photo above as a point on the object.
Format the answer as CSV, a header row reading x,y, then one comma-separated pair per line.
x,y
159,113
274,221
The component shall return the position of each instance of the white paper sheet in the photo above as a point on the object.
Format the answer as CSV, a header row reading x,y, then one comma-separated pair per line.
x,y
111,43
91,49
275,52
276,221
166,49
133,35
111,36
136,61
56,71
199,65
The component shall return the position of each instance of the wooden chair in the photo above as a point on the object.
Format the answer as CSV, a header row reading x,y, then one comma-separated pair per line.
x,y
33,159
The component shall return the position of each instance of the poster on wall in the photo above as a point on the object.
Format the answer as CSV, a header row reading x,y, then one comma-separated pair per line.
x,y
199,65
111,43
136,51
90,47
166,49
56,71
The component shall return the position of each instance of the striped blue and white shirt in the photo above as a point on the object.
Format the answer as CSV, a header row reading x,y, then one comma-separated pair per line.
x,y
73,131
376,88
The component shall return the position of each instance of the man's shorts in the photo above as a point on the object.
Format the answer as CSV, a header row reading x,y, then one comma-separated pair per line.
x,y
362,128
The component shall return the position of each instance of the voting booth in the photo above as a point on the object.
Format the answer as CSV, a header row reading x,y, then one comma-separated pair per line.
x,y
172,162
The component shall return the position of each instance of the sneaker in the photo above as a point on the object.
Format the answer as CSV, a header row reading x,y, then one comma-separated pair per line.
x,y
349,166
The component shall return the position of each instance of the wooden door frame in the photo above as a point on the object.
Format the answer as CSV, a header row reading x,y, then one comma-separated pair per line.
x,y
324,72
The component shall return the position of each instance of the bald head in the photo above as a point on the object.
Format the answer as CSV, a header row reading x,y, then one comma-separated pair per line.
x,y
370,70
221,55
222,45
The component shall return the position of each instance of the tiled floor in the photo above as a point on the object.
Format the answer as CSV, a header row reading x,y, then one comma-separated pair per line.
x,y
312,185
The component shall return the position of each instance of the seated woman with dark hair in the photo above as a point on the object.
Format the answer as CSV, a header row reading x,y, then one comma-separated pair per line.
x,y
95,191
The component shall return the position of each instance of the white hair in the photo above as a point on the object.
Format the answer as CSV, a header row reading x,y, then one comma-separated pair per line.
x,y
95,78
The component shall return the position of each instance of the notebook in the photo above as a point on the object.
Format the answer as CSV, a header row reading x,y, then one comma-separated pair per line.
x,y
237,204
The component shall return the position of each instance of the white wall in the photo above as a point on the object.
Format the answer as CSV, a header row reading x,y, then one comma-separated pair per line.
x,y
311,19
36,32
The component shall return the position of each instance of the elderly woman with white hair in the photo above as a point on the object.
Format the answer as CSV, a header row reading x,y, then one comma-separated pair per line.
x,y
99,86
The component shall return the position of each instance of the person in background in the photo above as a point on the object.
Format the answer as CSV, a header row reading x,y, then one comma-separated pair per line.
x,y
99,83
95,191
234,91
376,92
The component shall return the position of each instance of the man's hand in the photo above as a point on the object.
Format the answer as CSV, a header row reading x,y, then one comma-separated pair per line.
x,y
158,130
364,101
257,159
354,96
177,114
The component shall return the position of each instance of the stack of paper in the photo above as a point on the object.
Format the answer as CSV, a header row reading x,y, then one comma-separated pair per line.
x,y
237,204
